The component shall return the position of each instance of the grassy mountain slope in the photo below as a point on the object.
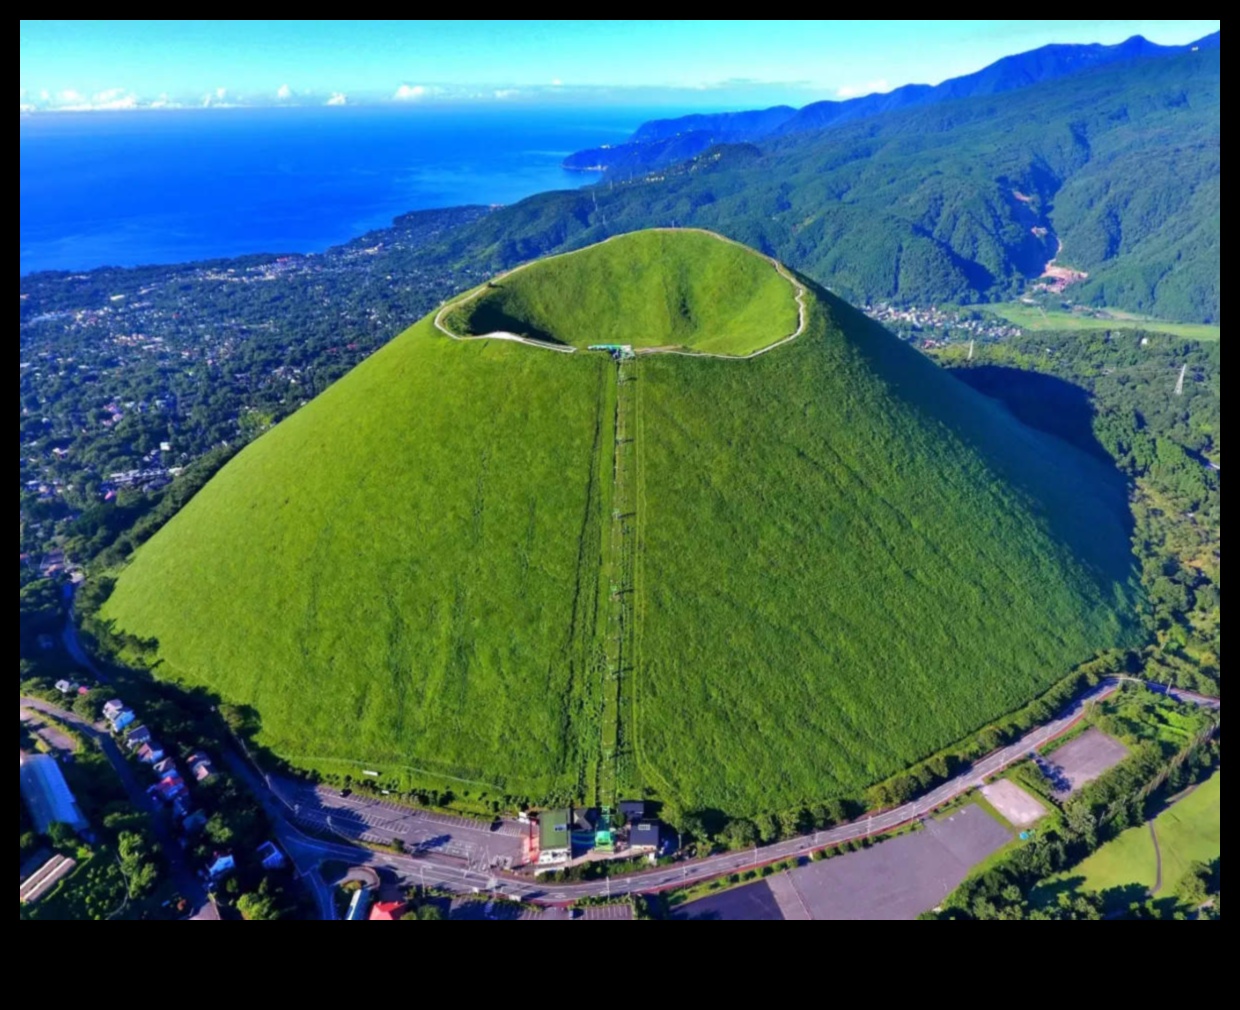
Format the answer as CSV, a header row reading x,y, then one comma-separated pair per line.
x,y
1121,163
648,289
845,559
879,562
402,572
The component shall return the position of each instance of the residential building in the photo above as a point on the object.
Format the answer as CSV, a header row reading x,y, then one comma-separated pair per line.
x,y
388,910
644,836
151,753
200,767
165,767
137,736
270,856
123,718
223,865
112,709
555,843
168,789
47,794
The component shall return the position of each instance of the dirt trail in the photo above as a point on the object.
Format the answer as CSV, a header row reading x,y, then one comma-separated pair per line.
x,y
1158,881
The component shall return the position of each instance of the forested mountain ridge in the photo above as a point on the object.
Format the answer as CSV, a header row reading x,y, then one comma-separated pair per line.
x,y
964,201
662,142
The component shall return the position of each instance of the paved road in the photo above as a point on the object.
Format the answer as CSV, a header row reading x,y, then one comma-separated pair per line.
x,y
73,644
49,732
433,868
183,876
366,819
292,808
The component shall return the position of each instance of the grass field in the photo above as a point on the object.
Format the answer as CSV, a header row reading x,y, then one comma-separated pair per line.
x,y
648,289
399,574
1030,317
1188,832
818,565
850,560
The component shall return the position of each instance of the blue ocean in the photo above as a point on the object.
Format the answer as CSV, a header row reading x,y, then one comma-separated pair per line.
x,y
129,188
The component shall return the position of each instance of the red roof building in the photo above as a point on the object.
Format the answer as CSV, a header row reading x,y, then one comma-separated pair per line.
x,y
387,910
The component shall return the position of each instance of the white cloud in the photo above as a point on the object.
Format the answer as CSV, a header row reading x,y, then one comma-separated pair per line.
x,y
45,95
284,92
504,93
71,100
216,100
338,98
870,87
162,102
113,98
411,92
557,83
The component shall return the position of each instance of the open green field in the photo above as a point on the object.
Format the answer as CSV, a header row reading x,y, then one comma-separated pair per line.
x,y
405,572
1030,317
818,566
849,560
685,289
1188,832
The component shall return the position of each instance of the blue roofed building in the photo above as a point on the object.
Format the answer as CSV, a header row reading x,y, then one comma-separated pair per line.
x,y
46,793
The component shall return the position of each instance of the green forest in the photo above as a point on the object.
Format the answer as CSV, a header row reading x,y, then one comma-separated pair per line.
x,y
1114,395
964,201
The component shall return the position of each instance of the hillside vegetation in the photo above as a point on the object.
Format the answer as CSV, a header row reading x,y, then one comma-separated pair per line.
x,y
842,545
396,574
844,560
646,289
941,203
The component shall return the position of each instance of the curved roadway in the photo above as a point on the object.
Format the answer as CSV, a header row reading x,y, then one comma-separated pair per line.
x,y
433,868
288,806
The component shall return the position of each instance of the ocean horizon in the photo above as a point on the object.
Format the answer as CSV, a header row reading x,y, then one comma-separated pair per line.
x,y
156,187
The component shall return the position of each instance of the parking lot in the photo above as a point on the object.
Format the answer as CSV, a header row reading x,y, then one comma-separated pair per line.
x,y
753,901
905,876
1019,807
1082,760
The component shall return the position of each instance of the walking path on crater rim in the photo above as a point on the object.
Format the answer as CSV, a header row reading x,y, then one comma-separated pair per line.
x,y
783,272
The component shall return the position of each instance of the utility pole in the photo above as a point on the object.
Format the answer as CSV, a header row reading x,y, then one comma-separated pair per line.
x,y
1179,385
971,350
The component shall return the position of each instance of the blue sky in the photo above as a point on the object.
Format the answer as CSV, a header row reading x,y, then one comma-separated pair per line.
x,y
126,64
